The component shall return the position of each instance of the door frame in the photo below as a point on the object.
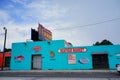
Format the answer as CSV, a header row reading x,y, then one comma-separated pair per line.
x,y
100,55
32,61
7,63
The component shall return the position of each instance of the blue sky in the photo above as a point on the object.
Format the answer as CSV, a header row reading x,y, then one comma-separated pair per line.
x,y
67,19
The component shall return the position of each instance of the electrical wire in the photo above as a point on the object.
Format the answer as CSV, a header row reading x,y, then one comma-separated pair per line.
x,y
88,25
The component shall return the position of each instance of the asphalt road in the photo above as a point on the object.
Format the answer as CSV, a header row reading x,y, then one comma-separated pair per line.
x,y
54,78
61,74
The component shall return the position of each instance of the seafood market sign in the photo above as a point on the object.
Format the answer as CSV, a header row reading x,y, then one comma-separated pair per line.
x,y
70,50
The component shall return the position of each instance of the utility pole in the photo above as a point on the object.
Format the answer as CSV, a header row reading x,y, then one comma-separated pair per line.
x,y
4,47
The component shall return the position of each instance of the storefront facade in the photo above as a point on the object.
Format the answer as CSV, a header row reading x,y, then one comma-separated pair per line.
x,y
55,55
6,62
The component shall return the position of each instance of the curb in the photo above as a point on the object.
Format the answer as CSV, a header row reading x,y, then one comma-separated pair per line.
x,y
57,71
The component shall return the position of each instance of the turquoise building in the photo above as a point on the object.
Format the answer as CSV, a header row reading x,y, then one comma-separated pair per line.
x,y
58,55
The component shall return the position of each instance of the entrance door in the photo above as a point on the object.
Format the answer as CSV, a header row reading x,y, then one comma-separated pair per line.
x,y
36,61
100,61
7,61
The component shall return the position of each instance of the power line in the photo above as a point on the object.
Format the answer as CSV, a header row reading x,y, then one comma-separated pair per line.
x,y
92,24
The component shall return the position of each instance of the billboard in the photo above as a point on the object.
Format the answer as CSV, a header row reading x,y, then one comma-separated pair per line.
x,y
34,35
43,33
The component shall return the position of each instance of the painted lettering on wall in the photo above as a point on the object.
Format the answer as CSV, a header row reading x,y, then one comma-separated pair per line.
x,y
66,50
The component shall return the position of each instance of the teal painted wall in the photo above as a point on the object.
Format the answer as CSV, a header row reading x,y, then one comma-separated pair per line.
x,y
26,50
60,60
111,50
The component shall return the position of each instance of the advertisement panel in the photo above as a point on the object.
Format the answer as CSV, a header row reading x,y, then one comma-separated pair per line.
x,y
34,35
43,33
71,59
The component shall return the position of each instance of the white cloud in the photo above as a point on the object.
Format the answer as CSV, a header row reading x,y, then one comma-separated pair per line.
x,y
53,12
52,16
4,17
43,10
61,30
16,33
23,2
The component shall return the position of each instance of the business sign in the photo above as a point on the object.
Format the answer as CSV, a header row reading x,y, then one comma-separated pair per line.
x,y
67,50
34,35
19,58
52,54
43,33
84,60
71,59
36,48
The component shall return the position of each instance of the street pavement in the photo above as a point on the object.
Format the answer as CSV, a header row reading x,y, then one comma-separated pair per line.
x,y
59,75
62,73
51,78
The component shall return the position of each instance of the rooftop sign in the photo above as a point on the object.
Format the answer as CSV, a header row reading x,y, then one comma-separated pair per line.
x,y
44,33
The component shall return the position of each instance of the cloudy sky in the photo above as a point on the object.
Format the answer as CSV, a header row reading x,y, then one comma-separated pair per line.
x,y
81,22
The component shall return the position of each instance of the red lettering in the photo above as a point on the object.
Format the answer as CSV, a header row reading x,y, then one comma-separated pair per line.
x,y
80,49
61,50
65,50
72,50
69,50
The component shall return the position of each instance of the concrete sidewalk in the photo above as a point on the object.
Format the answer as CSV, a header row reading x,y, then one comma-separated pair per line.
x,y
60,73
57,71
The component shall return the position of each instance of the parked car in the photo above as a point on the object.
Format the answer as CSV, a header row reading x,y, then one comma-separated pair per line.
x,y
118,67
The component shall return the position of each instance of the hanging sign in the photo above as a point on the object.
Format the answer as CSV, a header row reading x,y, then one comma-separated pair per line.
x,y
66,50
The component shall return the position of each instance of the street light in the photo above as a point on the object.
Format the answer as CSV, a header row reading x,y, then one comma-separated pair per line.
x,y
4,47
